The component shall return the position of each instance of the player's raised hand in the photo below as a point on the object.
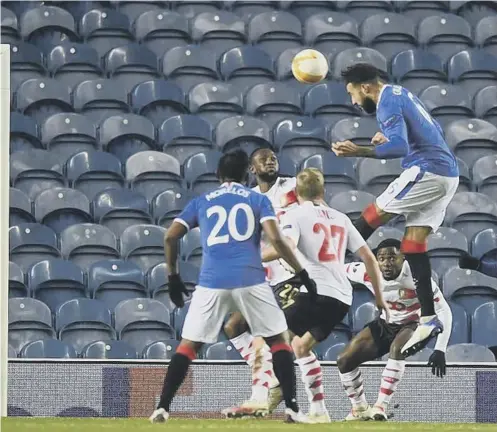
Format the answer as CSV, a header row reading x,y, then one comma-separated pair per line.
x,y
309,284
437,363
345,148
176,290
379,138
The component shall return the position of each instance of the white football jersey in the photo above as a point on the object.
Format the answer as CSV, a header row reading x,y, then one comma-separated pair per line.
x,y
277,271
322,236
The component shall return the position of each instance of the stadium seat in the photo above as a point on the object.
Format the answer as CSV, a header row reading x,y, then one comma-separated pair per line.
x,y
331,32
200,171
19,208
418,69
139,322
471,212
472,70
169,204
471,139
126,134
483,325
109,350
48,348
78,9
218,31
190,8
360,10
288,167
465,177
104,29
473,12
11,352
246,66
333,352
275,32
39,98
161,350
460,324
99,99
20,7
247,9
17,283
113,281
215,101
191,247
383,233
26,61
143,245
445,247
30,243
363,315
242,132
283,65
417,10
190,65
158,100
335,338
351,203
484,244
87,243
117,209
132,9
445,35
152,172
360,130
361,295
469,288
486,104
92,172
376,174
301,138
464,353
222,351
447,103
83,321
350,56
486,34
23,133
59,208
185,135
485,175
29,320
161,30
10,27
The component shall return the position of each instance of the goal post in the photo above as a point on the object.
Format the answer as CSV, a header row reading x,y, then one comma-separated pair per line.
x,y
4,220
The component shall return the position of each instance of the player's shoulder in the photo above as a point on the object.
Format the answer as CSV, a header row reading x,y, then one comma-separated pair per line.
x,y
287,183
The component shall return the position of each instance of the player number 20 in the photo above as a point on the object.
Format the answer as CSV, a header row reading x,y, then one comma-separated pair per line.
x,y
223,217
332,242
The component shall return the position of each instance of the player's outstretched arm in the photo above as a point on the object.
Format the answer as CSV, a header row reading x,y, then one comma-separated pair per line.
x,y
444,313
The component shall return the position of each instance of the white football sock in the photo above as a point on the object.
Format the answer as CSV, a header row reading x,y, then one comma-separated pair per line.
x,y
312,377
353,385
392,374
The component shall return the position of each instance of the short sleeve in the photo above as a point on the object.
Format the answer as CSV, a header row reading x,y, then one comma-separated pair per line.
x,y
355,241
290,227
189,216
266,209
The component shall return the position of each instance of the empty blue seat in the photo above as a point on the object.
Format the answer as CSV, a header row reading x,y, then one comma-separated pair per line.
x,y
48,348
169,204
190,65
329,102
360,10
26,62
216,101
473,12
483,325
335,337
360,130
20,7
200,171
85,244
246,66
351,203
104,29
161,350
41,97
465,177
469,353
10,26
376,174
223,350
17,283
55,281
29,320
157,100
283,66
242,131
417,10
218,31
363,315
83,321
247,9
471,212
92,172
12,353
484,244
333,352
151,172
350,56
301,138
460,324
60,208
161,30
100,98
486,104
140,322
191,247
304,9
23,133
275,31
117,209
445,247
110,349
191,8
126,134
19,208
30,243
486,34
471,139
73,63
113,281
332,32
143,245
383,233
485,175
132,9
78,9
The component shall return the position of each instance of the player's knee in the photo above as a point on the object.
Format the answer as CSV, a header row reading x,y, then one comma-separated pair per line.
x,y
344,362
299,347
395,353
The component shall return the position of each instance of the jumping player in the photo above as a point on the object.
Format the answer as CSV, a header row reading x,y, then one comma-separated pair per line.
x,y
380,337
421,193
232,278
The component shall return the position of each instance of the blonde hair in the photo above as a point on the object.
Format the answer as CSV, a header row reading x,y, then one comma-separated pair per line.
x,y
310,184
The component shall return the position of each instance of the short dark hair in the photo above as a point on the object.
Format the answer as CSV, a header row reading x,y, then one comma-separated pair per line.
x,y
254,153
388,243
361,73
233,166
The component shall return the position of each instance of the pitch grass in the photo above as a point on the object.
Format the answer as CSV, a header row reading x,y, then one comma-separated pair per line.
x,y
137,425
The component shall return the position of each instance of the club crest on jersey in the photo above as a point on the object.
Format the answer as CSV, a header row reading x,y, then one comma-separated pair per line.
x,y
407,294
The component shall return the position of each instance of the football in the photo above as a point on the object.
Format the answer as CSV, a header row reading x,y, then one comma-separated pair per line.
x,y
309,66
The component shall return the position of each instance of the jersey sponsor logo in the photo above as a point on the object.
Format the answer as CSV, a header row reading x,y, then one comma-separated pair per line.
x,y
287,227
392,121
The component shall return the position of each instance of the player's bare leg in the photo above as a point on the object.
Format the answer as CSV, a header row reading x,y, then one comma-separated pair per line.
x,y
361,349
371,218
414,248
312,376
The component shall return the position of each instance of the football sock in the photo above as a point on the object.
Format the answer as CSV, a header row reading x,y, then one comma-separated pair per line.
x,y
285,372
353,385
390,378
312,377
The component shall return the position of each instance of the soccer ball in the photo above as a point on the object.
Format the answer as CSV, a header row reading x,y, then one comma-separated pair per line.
x,y
309,66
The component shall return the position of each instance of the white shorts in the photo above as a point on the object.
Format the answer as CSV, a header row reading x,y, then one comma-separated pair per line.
x,y
421,197
209,308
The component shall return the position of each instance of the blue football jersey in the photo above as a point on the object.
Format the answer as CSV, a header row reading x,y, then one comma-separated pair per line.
x,y
230,220
400,113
